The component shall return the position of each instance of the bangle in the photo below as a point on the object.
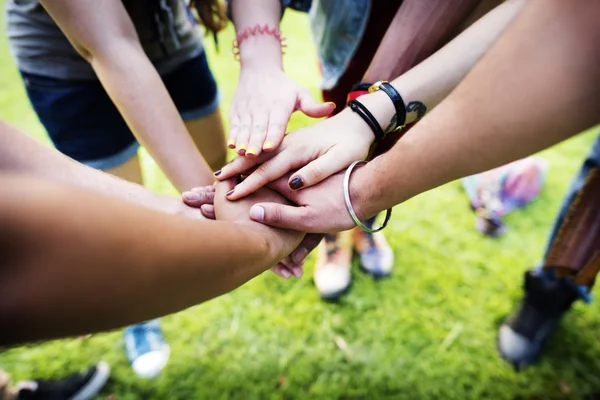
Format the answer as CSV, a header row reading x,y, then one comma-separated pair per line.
x,y
366,115
349,207
396,100
255,31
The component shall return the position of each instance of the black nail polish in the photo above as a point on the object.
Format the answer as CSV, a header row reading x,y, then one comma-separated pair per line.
x,y
217,173
296,183
229,193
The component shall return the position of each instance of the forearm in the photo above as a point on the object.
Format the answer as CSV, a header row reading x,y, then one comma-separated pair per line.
x,y
21,154
140,95
258,51
103,33
417,30
433,79
538,85
78,263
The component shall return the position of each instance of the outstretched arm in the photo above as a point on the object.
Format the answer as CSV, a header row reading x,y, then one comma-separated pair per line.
x,y
23,155
538,85
265,97
332,145
105,36
80,262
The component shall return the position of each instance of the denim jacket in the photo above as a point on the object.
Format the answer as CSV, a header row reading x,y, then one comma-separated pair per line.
x,y
337,28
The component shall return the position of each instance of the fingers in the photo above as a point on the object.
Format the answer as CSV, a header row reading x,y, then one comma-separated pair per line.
x,y
282,271
311,107
307,245
258,134
208,210
240,165
318,170
243,135
234,128
281,216
278,121
265,173
199,196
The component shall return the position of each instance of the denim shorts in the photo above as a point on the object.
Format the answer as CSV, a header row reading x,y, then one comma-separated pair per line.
x,y
84,124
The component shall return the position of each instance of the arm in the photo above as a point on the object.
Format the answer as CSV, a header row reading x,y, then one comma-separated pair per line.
x,y
78,262
265,98
104,35
417,30
327,147
21,154
538,85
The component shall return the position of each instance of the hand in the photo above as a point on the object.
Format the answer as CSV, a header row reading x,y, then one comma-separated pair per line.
x,y
282,242
321,208
201,197
319,151
261,108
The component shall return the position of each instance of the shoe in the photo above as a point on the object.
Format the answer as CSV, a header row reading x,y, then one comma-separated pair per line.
x,y
376,255
546,300
332,270
79,386
146,348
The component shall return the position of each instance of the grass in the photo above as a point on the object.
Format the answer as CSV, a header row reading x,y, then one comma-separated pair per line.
x,y
428,332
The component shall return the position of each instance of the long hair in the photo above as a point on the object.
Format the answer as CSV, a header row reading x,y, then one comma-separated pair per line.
x,y
212,14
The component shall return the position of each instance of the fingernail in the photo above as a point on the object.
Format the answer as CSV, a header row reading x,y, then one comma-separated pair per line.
x,y
297,271
251,150
231,144
285,273
191,196
217,173
268,145
296,183
257,213
299,255
332,103
229,193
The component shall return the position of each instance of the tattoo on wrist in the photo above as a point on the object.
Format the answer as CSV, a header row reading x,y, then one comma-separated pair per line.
x,y
413,106
392,125
418,107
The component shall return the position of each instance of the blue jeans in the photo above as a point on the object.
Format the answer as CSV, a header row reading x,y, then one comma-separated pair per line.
x,y
591,161
84,124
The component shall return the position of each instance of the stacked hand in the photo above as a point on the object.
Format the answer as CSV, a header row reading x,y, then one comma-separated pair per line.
x,y
261,108
318,151
282,241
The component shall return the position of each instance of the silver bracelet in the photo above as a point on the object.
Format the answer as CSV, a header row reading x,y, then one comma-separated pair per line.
x,y
349,203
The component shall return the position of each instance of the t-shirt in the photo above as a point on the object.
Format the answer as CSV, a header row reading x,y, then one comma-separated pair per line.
x,y
168,34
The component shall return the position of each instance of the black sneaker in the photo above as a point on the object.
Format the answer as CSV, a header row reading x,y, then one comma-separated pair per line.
x,y
521,336
79,386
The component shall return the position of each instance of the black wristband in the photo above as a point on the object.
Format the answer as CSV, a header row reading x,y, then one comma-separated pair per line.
x,y
397,100
366,115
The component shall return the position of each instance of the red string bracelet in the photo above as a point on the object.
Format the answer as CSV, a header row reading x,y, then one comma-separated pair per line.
x,y
255,31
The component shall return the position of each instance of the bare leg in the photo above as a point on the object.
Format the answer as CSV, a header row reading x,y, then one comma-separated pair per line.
x,y
130,170
209,135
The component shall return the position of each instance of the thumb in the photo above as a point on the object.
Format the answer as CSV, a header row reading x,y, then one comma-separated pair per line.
x,y
280,216
311,107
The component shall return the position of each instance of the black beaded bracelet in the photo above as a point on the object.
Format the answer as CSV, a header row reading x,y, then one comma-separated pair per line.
x,y
366,115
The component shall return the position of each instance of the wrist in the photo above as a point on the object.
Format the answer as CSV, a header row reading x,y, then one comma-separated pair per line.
x,y
365,192
380,105
274,244
261,51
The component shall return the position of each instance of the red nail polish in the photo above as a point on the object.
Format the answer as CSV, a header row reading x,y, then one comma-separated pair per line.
x,y
229,193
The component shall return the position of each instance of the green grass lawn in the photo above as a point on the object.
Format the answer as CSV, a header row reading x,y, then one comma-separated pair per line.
x,y
428,332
